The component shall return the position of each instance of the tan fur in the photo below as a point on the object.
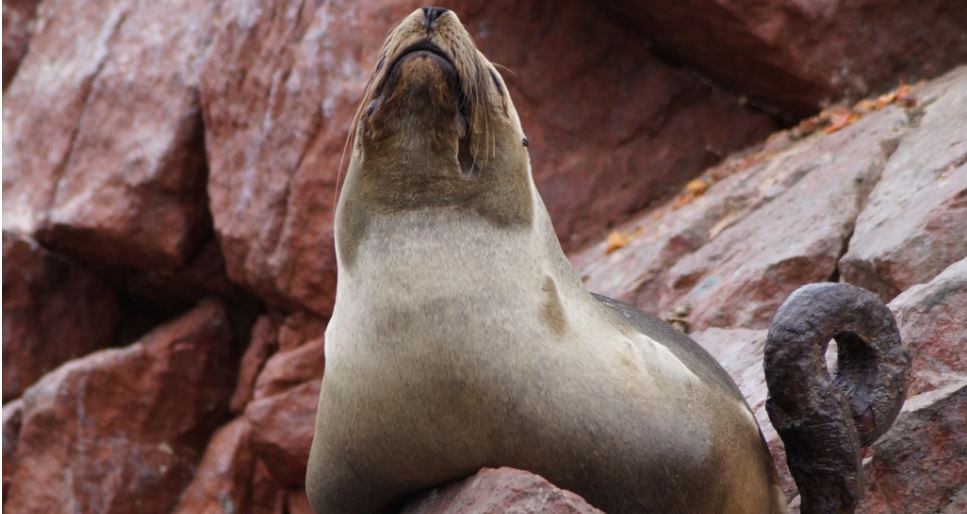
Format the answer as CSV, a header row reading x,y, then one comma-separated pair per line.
x,y
462,337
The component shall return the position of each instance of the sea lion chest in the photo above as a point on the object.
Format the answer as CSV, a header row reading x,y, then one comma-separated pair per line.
x,y
440,291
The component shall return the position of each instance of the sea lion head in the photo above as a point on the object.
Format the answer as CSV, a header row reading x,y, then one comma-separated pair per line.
x,y
437,128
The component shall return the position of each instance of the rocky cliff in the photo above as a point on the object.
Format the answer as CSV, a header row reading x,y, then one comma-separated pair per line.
x,y
170,169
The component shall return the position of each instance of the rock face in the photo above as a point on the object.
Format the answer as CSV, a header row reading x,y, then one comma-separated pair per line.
x,y
784,216
931,320
740,276
18,18
920,464
915,222
53,311
777,220
257,462
12,419
223,480
261,346
277,111
102,141
282,427
120,430
498,491
793,55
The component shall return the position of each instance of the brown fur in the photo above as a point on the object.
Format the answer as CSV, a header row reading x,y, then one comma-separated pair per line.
x,y
462,338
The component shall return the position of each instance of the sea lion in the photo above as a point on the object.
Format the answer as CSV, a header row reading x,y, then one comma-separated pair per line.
x,y
462,338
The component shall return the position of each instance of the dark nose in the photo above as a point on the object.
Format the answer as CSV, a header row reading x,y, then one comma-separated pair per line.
x,y
432,13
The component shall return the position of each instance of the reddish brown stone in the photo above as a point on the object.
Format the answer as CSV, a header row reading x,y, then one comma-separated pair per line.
x,y
658,238
203,275
261,346
53,311
920,465
102,140
299,328
498,491
739,278
267,496
282,428
914,224
288,369
932,318
223,480
12,419
770,222
18,22
794,55
120,430
276,119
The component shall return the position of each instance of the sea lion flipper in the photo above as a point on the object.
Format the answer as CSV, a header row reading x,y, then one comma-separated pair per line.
x,y
824,421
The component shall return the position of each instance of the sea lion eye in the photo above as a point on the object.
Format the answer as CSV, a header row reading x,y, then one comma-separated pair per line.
x,y
525,142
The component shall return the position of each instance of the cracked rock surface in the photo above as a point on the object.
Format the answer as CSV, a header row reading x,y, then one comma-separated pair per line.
x,y
914,223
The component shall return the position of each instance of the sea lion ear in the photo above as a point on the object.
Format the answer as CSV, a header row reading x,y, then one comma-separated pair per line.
x,y
525,142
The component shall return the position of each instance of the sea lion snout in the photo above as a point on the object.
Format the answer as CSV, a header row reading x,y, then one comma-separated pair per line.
x,y
430,15
422,84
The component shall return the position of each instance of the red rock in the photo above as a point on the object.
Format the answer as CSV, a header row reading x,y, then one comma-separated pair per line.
x,y
499,491
267,496
739,278
926,181
920,465
120,430
53,311
660,237
102,140
276,118
12,419
299,328
793,54
229,479
202,276
931,319
724,240
282,428
18,21
288,369
223,480
262,344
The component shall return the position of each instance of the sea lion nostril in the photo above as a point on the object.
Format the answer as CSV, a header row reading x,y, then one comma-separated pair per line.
x,y
432,13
